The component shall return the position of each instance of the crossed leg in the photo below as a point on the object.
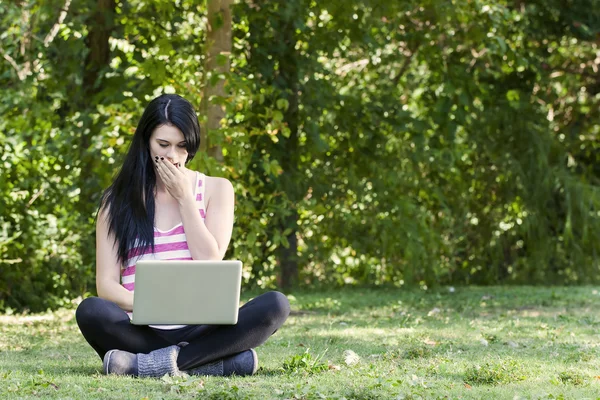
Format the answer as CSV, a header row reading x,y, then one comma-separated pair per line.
x,y
106,326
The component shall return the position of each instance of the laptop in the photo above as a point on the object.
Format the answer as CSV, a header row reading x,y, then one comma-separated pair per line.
x,y
186,292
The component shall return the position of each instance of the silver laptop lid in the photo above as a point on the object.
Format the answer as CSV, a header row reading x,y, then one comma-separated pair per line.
x,y
186,292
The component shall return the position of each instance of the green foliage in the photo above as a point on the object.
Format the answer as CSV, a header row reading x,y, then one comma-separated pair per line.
x,y
232,393
572,377
495,373
418,351
305,363
402,143
441,185
183,384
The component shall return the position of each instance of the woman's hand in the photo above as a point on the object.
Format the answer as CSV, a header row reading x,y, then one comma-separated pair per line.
x,y
174,178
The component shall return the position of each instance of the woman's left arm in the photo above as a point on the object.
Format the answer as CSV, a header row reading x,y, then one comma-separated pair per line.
x,y
208,239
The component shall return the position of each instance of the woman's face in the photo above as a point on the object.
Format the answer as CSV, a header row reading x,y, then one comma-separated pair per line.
x,y
167,141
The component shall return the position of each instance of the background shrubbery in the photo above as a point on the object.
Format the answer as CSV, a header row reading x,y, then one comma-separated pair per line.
x,y
412,143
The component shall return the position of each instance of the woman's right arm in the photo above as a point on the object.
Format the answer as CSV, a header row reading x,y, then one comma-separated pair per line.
x,y
108,268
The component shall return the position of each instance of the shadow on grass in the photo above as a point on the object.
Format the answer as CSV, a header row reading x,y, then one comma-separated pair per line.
x,y
461,299
270,372
21,361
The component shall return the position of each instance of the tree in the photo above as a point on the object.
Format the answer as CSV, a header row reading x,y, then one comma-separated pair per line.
x,y
218,52
100,25
373,142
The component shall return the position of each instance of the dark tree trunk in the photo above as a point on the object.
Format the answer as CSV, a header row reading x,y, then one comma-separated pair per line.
x,y
288,79
100,24
287,258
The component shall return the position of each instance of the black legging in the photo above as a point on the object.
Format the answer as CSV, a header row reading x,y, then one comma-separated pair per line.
x,y
106,326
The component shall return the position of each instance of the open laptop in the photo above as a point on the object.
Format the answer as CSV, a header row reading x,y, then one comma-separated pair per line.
x,y
186,292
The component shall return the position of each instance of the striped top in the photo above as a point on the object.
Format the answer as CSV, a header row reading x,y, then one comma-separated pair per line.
x,y
168,245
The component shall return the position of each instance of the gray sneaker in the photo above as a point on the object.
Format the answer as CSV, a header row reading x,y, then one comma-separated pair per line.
x,y
241,364
119,362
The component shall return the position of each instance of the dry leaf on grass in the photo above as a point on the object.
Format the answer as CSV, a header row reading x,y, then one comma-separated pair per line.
x,y
334,367
351,358
433,312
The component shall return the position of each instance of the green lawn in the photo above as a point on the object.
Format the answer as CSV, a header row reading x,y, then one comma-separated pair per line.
x,y
492,343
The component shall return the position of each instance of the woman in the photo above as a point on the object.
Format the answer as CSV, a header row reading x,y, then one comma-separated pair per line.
x,y
156,208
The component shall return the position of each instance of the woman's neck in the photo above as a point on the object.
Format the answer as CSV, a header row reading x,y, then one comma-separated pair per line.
x,y
160,185
161,194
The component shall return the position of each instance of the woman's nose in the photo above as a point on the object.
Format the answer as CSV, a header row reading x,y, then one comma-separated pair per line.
x,y
171,154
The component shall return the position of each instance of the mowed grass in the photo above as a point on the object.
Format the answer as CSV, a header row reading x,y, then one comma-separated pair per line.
x,y
462,343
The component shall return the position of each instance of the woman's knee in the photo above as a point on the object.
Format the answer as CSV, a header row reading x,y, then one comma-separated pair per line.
x,y
278,307
90,310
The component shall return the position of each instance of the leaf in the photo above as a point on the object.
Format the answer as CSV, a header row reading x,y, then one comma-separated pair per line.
x,y
334,367
351,358
282,104
222,59
277,116
433,312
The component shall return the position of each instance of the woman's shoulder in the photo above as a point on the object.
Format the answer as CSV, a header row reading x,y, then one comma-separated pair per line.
x,y
219,189
215,184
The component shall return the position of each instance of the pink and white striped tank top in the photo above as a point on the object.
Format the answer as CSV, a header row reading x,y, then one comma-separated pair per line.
x,y
168,245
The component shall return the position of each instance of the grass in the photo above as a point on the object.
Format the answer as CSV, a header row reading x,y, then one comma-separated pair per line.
x,y
467,343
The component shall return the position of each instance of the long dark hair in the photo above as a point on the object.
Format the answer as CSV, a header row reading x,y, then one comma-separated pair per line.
x,y
129,201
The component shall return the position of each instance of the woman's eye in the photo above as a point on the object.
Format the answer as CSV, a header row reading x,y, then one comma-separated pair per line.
x,y
182,146
163,145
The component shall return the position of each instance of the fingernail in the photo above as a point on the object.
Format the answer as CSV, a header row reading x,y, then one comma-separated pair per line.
x,y
162,158
156,157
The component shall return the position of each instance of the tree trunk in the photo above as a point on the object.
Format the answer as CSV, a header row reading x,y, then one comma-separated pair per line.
x,y
287,258
218,42
100,24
